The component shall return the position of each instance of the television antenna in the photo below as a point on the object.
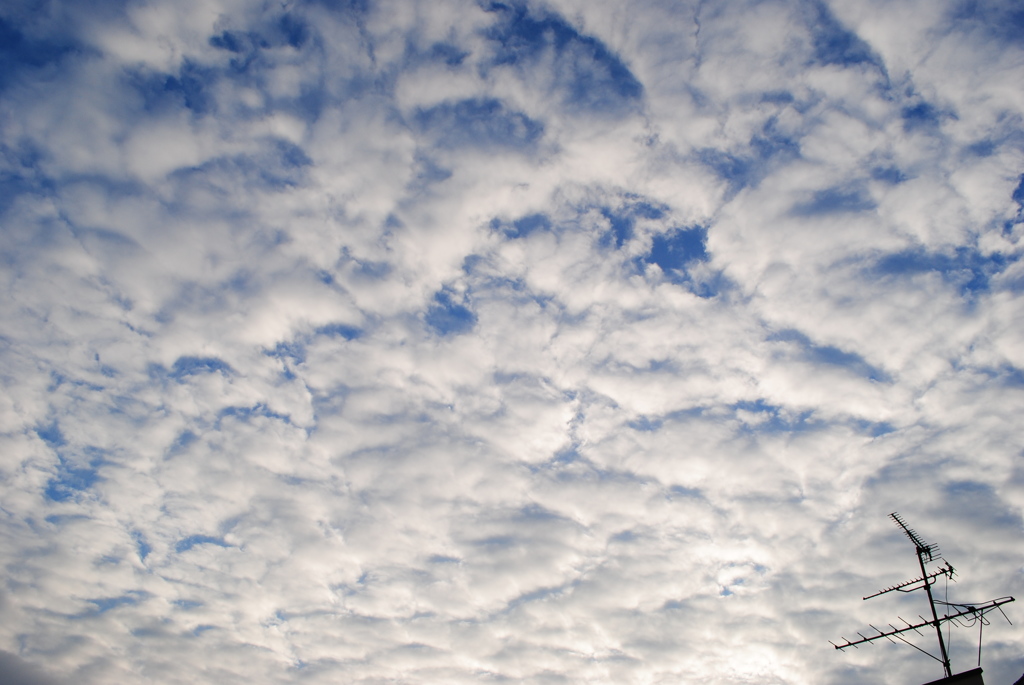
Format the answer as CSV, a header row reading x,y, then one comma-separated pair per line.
x,y
965,615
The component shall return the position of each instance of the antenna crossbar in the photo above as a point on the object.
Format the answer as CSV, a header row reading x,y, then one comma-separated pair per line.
x,y
975,611
946,570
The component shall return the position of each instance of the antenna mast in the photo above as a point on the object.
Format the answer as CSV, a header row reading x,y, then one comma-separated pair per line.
x,y
928,553
926,550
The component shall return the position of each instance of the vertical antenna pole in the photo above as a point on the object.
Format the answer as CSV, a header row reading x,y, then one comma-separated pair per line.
x,y
924,549
935,617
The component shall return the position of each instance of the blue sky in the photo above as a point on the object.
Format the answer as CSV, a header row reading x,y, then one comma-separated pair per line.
x,y
464,342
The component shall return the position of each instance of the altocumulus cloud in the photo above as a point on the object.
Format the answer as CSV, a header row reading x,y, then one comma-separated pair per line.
x,y
395,341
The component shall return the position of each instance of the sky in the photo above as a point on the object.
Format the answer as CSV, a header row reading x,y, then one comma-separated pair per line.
x,y
472,341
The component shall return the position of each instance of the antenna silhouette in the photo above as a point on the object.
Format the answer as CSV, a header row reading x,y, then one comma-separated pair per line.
x,y
971,614
923,548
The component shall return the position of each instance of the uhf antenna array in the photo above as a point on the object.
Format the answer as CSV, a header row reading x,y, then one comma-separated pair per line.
x,y
963,614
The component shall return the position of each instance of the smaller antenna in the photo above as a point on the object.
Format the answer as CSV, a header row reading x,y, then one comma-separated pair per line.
x,y
931,550
946,570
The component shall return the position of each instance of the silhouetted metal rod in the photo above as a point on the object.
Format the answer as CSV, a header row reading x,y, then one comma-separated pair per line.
x,y
946,666
946,570
980,609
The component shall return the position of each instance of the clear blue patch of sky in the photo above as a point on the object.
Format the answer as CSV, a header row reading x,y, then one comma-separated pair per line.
x,y
23,56
535,512
622,220
105,370
51,434
186,604
982,148
778,97
331,402
452,55
1005,375
294,350
477,123
189,89
920,115
249,60
889,174
440,52
621,228
831,356
14,185
771,143
523,226
736,171
515,290
191,541
142,547
21,173
769,146
967,268
428,172
184,439
71,479
286,29
105,604
446,316
677,605
496,542
290,155
873,429
568,455
680,492
1018,197
1001,19
1018,193
442,559
775,419
505,378
279,165
246,413
60,519
540,594
834,43
112,240
676,248
344,7
588,75
76,472
978,501
340,330
194,366
647,423
59,379
849,198
293,29
309,104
